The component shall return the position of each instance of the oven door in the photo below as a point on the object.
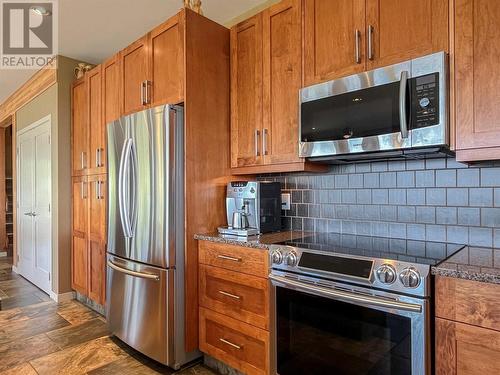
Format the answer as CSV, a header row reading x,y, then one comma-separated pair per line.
x,y
329,329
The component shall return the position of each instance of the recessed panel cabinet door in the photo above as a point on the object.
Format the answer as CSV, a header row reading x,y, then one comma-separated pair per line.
x,y
477,78
111,89
246,92
282,68
79,258
135,74
167,62
80,127
96,126
97,238
398,30
334,44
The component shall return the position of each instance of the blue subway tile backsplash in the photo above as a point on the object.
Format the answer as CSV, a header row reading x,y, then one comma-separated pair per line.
x,y
435,200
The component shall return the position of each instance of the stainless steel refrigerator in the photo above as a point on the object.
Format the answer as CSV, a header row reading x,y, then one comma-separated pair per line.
x,y
145,253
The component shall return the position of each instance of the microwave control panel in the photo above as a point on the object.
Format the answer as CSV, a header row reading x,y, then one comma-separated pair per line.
x,y
425,100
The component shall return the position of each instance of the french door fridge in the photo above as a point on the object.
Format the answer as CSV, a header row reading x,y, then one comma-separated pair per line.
x,y
145,254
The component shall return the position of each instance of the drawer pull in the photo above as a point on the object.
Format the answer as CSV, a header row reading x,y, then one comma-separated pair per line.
x,y
230,343
229,294
227,257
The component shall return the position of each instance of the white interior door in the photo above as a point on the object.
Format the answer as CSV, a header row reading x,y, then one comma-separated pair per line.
x,y
34,221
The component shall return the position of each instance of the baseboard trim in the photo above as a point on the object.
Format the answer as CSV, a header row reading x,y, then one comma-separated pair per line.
x,y
63,297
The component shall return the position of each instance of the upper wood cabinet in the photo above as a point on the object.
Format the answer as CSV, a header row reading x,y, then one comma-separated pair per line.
x,y
153,67
80,127
111,89
402,30
135,76
266,75
97,137
246,92
167,61
344,37
477,77
334,45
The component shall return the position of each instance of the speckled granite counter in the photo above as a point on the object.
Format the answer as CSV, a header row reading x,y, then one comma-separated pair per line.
x,y
472,263
256,242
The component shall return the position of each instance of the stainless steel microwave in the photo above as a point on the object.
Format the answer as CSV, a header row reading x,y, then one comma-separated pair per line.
x,y
398,110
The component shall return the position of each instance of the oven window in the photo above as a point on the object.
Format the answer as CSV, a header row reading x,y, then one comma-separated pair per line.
x,y
316,335
370,112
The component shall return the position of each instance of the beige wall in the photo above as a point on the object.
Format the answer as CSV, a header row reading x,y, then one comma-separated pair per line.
x,y
56,101
250,13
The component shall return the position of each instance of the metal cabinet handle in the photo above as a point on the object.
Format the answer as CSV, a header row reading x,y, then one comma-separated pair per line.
x,y
83,160
143,94
28,214
97,157
402,104
264,142
97,190
234,296
357,51
83,192
143,275
257,134
227,257
370,42
148,92
230,343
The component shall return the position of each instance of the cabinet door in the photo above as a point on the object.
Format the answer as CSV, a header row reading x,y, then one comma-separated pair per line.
x,y
97,238
96,125
167,61
477,77
246,92
80,128
135,76
282,68
402,30
111,89
79,257
466,349
334,39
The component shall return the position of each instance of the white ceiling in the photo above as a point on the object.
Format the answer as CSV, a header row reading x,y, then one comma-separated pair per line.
x,y
91,30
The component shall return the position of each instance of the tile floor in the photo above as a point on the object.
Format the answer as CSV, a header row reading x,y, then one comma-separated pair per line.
x,y
39,336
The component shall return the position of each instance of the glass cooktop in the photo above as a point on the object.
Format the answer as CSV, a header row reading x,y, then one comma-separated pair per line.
x,y
413,251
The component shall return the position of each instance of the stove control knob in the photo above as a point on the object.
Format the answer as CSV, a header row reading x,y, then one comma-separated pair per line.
x,y
410,277
277,257
386,274
291,258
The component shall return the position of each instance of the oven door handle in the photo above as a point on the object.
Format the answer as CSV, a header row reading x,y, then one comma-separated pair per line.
x,y
347,296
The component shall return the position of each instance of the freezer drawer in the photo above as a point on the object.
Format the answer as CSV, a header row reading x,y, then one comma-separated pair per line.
x,y
140,306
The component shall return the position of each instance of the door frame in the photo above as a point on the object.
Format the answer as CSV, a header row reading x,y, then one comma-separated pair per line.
x,y
44,120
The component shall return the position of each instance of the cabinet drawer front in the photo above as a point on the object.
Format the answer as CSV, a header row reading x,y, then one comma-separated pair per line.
x,y
240,345
238,295
468,301
236,258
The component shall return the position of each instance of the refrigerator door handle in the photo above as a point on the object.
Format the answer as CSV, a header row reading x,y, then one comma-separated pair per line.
x,y
124,216
133,175
143,275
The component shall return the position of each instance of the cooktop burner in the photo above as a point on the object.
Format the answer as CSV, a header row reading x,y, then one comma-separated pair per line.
x,y
411,251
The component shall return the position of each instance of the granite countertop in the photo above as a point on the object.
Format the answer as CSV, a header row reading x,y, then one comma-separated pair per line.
x,y
256,242
472,263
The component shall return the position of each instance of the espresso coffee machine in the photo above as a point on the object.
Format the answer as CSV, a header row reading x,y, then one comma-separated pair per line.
x,y
252,208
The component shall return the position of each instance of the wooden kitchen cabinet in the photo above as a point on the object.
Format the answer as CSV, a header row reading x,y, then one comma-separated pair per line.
x,y
467,327
80,127
135,76
266,75
79,255
246,93
111,90
403,30
477,77
334,39
96,136
96,273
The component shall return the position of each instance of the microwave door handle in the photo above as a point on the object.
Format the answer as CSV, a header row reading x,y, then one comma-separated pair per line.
x,y
346,296
402,104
